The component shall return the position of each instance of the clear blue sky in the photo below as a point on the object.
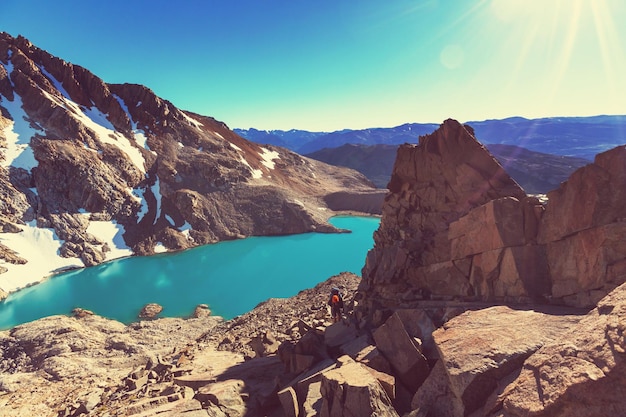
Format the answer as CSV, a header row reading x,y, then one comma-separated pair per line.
x,y
331,64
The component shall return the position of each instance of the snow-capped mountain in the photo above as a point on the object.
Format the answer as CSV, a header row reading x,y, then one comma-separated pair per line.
x,y
92,171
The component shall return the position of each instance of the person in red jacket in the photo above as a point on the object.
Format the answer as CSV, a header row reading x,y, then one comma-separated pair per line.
x,y
336,304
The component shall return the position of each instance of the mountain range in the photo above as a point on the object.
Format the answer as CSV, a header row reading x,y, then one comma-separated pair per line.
x,y
581,137
538,153
92,171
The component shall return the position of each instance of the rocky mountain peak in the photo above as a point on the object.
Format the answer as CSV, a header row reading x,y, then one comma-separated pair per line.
x,y
80,154
455,226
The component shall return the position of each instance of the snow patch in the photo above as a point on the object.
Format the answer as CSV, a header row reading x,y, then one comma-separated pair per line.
x,y
185,229
268,158
56,83
112,233
191,120
18,134
138,134
160,248
40,247
94,119
97,121
235,147
156,190
220,136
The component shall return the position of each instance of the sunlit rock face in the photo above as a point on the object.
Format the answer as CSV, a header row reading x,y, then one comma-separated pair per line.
x,y
456,226
111,170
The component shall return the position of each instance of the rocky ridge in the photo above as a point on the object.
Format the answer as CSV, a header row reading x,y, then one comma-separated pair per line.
x,y
79,152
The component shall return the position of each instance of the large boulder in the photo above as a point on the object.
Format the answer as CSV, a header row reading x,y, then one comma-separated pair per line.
x,y
402,351
150,311
582,373
479,348
351,390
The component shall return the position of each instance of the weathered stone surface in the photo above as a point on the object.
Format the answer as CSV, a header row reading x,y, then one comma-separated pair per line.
x,y
57,358
494,225
302,382
355,346
201,310
582,373
373,357
419,326
339,333
435,397
264,345
400,349
352,391
478,348
593,196
150,311
227,395
589,264
386,381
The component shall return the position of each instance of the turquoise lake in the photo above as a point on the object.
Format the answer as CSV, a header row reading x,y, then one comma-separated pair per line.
x,y
231,277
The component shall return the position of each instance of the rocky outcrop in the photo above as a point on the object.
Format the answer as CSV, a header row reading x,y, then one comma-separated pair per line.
x,y
150,311
579,374
80,151
480,349
456,226
433,184
351,390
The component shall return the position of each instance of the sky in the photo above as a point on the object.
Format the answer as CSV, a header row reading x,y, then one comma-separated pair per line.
x,y
326,65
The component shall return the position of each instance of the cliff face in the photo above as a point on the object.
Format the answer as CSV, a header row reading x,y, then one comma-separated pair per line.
x,y
80,152
456,226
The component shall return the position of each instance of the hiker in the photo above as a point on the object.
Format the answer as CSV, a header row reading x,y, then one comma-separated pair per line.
x,y
336,304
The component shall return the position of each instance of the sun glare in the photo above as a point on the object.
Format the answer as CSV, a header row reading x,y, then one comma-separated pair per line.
x,y
562,37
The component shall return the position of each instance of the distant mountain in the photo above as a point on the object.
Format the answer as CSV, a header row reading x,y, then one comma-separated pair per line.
x,y
305,142
581,137
374,161
536,172
91,171
290,139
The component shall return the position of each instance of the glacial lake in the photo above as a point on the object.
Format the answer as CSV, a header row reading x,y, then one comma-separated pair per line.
x,y
231,277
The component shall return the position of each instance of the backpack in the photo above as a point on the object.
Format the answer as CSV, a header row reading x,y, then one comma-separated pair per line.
x,y
336,300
